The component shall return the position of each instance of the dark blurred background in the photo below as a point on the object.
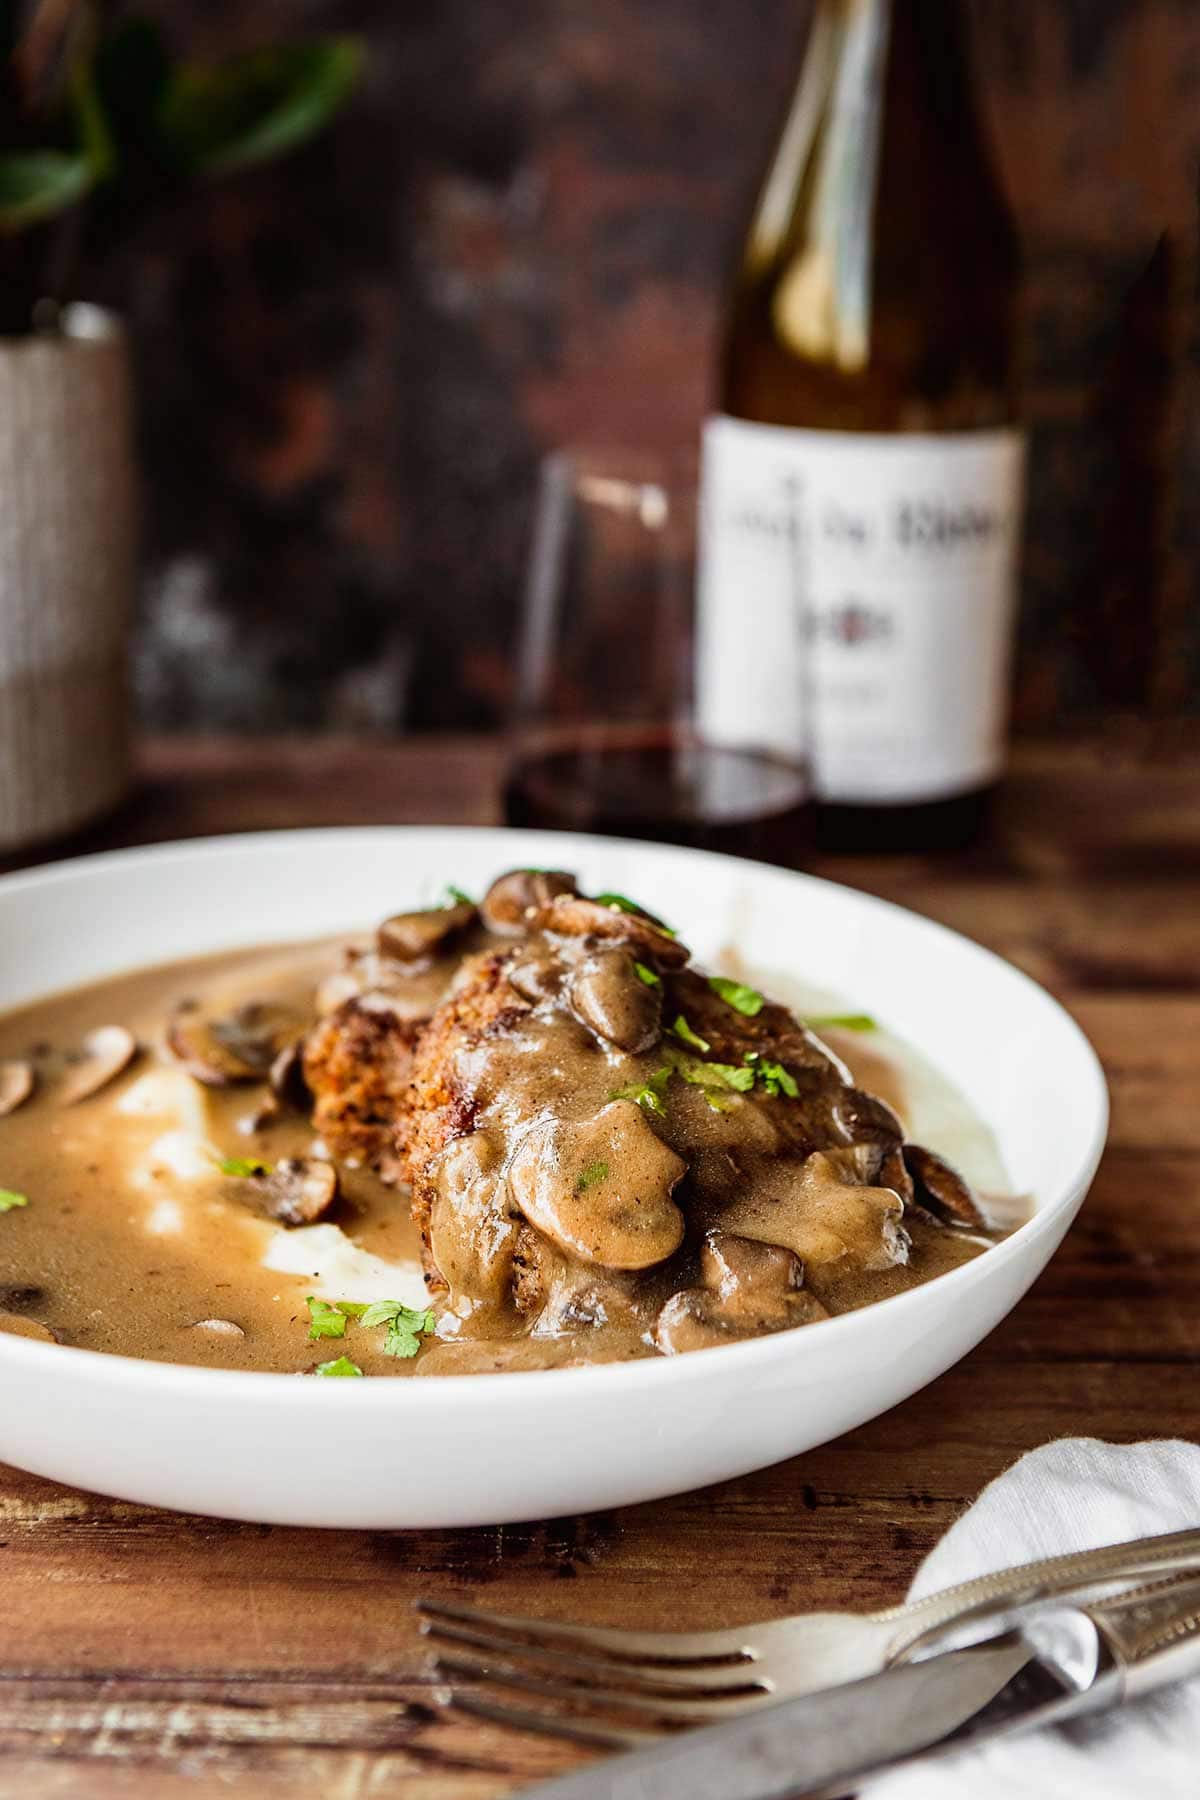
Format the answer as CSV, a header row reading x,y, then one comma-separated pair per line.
x,y
518,235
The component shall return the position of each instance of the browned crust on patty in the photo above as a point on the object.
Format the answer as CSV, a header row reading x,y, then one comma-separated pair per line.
x,y
358,1062
436,1107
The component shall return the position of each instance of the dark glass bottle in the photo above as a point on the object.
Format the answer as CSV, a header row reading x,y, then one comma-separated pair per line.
x,y
868,371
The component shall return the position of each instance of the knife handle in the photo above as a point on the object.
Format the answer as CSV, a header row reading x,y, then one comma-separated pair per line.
x,y
1153,1633
924,1621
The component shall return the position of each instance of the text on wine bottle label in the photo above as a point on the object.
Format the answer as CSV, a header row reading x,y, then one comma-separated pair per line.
x,y
878,573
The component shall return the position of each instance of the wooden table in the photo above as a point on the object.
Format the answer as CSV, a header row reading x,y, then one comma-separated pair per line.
x,y
144,1654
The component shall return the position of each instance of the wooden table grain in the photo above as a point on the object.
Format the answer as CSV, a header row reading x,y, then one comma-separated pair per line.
x,y
144,1654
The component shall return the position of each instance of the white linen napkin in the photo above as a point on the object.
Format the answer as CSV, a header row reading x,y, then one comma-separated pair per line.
x,y
1074,1494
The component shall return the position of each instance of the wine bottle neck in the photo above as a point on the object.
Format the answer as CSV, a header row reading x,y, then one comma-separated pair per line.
x,y
928,67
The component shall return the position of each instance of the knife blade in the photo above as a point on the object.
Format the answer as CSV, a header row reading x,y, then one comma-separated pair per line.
x,y
821,1742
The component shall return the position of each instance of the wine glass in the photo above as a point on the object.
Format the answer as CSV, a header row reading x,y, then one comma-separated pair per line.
x,y
608,728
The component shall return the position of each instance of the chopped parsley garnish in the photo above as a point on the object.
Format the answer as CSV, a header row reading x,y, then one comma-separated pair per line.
x,y
686,1035
708,1074
594,1172
842,1022
456,897
340,1366
746,1000
776,1080
774,1077
324,1319
328,1319
405,1325
622,903
647,975
243,1166
649,1094
719,1103
9,1200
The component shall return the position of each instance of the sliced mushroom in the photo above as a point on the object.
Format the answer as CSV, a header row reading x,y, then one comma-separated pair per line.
x,y
417,937
612,1000
191,1041
514,900
827,1207
747,1289
868,1119
745,1275
239,1046
219,1328
104,1054
535,972
893,1173
17,1082
600,1188
941,1190
298,1190
409,1009
258,1030
377,981
286,1078
571,915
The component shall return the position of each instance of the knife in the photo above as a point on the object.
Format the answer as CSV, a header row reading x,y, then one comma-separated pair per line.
x,y
1038,1670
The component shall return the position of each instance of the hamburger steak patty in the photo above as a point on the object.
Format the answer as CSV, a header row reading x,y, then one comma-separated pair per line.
x,y
603,1141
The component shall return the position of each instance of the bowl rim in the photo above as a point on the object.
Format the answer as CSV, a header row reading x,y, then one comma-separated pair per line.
x,y
514,1386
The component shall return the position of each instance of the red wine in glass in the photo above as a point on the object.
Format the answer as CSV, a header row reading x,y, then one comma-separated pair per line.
x,y
670,792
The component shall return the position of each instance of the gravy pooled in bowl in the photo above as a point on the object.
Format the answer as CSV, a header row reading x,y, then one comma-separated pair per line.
x,y
523,1134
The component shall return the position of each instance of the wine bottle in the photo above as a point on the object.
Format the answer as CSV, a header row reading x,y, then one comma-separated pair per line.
x,y
863,480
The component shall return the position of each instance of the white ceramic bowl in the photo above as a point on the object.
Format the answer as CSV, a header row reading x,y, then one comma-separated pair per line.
x,y
477,1449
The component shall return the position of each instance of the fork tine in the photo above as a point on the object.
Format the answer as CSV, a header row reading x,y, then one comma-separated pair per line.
x,y
590,1697
520,1718
612,1643
678,1679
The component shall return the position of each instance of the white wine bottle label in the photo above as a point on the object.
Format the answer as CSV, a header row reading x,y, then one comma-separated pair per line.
x,y
857,599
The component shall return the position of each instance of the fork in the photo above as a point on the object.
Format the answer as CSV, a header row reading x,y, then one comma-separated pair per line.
x,y
665,1679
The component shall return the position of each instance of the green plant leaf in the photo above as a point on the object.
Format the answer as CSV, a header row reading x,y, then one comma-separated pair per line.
x,y
37,184
249,109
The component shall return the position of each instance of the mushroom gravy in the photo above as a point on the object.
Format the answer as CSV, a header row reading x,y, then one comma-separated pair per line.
x,y
133,1235
144,1231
